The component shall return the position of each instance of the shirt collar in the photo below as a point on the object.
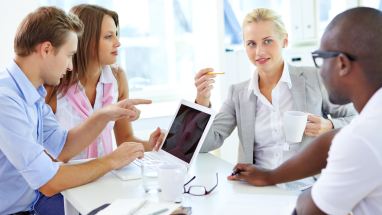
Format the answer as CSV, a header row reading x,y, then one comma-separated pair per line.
x,y
285,77
106,75
254,82
373,104
30,93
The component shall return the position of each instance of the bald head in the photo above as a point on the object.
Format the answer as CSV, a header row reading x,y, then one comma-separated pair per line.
x,y
358,32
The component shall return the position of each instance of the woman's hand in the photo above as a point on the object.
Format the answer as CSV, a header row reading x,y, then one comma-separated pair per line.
x,y
317,125
204,84
155,141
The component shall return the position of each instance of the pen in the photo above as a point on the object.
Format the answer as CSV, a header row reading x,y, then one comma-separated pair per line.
x,y
305,187
159,211
236,172
135,210
215,73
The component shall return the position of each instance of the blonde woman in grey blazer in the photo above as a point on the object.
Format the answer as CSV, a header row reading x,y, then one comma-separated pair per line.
x,y
256,106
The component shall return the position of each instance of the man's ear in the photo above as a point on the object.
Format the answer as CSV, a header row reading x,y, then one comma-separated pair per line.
x,y
44,48
344,64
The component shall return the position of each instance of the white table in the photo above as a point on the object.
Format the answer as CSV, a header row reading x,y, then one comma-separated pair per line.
x,y
230,197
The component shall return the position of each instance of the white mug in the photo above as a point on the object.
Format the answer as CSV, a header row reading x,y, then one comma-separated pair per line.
x,y
171,180
294,123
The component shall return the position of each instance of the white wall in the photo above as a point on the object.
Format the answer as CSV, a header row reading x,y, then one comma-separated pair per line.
x,y
208,27
12,14
210,52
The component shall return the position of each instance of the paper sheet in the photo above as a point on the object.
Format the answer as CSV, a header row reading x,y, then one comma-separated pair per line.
x,y
126,206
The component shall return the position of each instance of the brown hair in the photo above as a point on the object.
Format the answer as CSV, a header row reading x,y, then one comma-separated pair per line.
x,y
45,24
88,44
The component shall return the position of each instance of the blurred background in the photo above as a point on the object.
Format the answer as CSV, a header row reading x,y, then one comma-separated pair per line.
x,y
165,42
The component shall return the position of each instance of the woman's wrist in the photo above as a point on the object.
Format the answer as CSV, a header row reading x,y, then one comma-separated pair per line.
x,y
204,102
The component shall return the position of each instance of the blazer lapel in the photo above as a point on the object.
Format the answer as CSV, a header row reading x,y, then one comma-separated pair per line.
x,y
298,89
248,119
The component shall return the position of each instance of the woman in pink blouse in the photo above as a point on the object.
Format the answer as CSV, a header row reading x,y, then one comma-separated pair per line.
x,y
95,83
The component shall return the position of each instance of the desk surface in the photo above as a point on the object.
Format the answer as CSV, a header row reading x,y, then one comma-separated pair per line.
x,y
230,197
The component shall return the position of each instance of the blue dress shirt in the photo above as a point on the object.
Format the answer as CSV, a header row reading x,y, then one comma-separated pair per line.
x,y
27,128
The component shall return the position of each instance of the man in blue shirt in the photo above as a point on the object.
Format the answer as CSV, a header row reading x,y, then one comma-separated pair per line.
x,y
29,134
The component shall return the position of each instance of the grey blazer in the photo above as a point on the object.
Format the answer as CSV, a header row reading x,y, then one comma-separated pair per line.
x,y
309,95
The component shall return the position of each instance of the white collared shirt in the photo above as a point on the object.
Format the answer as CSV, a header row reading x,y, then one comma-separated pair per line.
x,y
351,180
269,134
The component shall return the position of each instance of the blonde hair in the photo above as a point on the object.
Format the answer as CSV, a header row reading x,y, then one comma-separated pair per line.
x,y
263,15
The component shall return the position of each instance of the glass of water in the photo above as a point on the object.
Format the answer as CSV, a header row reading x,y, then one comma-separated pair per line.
x,y
150,180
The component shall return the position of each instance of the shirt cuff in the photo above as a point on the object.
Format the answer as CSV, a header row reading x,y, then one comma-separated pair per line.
x,y
40,171
209,104
55,149
337,123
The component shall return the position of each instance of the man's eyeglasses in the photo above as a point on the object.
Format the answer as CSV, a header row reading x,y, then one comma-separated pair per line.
x,y
319,56
197,190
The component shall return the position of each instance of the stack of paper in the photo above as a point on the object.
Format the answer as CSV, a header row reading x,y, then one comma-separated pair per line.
x,y
138,206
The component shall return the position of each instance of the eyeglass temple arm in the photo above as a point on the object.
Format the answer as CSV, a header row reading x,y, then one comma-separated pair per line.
x,y
217,182
189,181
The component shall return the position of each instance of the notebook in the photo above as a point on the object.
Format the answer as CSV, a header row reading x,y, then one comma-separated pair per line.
x,y
187,132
